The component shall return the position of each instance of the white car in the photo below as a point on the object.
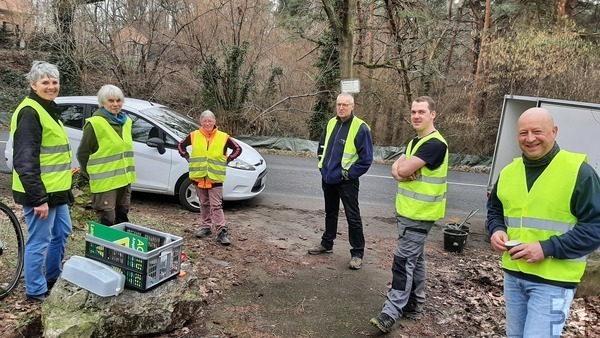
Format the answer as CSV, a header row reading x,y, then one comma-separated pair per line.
x,y
156,132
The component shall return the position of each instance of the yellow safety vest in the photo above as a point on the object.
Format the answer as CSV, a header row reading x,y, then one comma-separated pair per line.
x,y
208,161
350,156
541,212
55,151
112,165
424,199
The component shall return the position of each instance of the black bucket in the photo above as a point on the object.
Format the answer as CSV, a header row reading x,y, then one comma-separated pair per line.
x,y
454,240
457,226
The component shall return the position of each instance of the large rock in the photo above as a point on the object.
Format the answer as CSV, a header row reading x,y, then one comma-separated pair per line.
x,y
590,282
71,311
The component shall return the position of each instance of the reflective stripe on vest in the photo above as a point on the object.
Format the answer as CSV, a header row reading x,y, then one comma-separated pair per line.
x,y
55,152
349,156
542,224
112,165
542,212
424,198
208,161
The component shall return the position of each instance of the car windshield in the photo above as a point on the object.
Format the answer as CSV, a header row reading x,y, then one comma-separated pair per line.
x,y
182,125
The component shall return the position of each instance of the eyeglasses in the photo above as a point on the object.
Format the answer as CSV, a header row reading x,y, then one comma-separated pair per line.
x,y
345,105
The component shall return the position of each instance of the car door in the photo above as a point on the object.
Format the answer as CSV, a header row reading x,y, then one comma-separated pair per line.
x,y
73,116
153,170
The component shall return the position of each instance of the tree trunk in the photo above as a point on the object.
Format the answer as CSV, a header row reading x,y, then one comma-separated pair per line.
x,y
484,36
566,9
371,39
362,28
343,22
64,48
454,35
402,71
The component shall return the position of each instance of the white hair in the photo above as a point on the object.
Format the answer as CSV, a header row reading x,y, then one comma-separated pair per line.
x,y
109,91
39,69
207,113
348,95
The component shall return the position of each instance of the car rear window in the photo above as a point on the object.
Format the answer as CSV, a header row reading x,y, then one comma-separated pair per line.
x,y
73,115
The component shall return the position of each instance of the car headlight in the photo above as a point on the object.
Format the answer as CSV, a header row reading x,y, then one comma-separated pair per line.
x,y
241,164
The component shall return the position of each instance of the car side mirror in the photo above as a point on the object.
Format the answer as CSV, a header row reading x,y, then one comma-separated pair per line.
x,y
157,143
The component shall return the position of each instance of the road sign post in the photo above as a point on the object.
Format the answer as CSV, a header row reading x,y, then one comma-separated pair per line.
x,y
351,86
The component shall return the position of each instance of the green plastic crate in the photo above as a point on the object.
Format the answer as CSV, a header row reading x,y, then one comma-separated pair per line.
x,y
142,270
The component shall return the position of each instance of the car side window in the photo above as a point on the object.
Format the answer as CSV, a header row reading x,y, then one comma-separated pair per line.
x,y
73,115
142,130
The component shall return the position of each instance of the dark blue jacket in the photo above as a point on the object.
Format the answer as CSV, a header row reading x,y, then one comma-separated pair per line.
x,y
331,170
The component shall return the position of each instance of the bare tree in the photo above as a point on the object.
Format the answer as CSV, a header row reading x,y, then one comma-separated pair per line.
x,y
342,18
478,72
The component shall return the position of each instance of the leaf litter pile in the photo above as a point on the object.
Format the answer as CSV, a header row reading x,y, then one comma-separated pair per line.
x,y
464,292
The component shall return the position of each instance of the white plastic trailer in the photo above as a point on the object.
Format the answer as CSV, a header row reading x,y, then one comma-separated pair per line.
x,y
578,129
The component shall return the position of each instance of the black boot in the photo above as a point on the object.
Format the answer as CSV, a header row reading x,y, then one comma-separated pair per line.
x,y
223,237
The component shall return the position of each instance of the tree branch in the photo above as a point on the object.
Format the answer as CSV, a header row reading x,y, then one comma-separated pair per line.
x,y
271,108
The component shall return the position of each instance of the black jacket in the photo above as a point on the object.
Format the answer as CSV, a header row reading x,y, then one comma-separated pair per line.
x,y
27,141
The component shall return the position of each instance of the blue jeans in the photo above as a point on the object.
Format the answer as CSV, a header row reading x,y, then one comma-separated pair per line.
x,y
535,309
45,247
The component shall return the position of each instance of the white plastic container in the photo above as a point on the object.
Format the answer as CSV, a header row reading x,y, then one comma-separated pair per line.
x,y
93,276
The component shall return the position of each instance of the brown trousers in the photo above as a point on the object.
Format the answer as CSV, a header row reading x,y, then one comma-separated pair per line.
x,y
112,206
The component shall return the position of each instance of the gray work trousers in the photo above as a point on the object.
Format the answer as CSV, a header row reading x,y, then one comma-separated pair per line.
x,y
408,269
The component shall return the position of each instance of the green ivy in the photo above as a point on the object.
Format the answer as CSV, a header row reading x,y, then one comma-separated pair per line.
x,y
327,81
226,87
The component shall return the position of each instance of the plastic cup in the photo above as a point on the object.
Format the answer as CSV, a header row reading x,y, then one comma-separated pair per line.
x,y
512,243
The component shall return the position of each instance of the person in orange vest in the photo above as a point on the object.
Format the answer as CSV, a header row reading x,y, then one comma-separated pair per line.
x,y
548,200
208,164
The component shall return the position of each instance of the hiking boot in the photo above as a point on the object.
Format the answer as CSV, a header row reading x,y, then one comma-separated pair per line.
x,y
223,237
355,263
414,313
383,322
37,298
319,249
203,232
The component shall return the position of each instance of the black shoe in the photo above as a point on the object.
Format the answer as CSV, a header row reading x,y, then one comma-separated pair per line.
x,y
38,298
383,322
223,237
50,285
203,232
414,313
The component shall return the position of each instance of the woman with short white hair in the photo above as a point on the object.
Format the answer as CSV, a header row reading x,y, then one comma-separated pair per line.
x,y
105,155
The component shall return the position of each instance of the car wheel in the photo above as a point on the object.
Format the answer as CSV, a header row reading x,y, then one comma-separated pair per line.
x,y
188,197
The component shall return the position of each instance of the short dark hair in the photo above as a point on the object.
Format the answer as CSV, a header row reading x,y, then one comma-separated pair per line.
x,y
429,100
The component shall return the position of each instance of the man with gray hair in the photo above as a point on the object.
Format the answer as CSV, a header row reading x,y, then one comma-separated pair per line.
x,y
345,153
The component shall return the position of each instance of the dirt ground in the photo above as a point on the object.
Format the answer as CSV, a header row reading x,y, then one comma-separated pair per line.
x,y
266,285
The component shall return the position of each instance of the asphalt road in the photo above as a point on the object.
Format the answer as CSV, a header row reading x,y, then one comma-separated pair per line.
x,y
295,182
